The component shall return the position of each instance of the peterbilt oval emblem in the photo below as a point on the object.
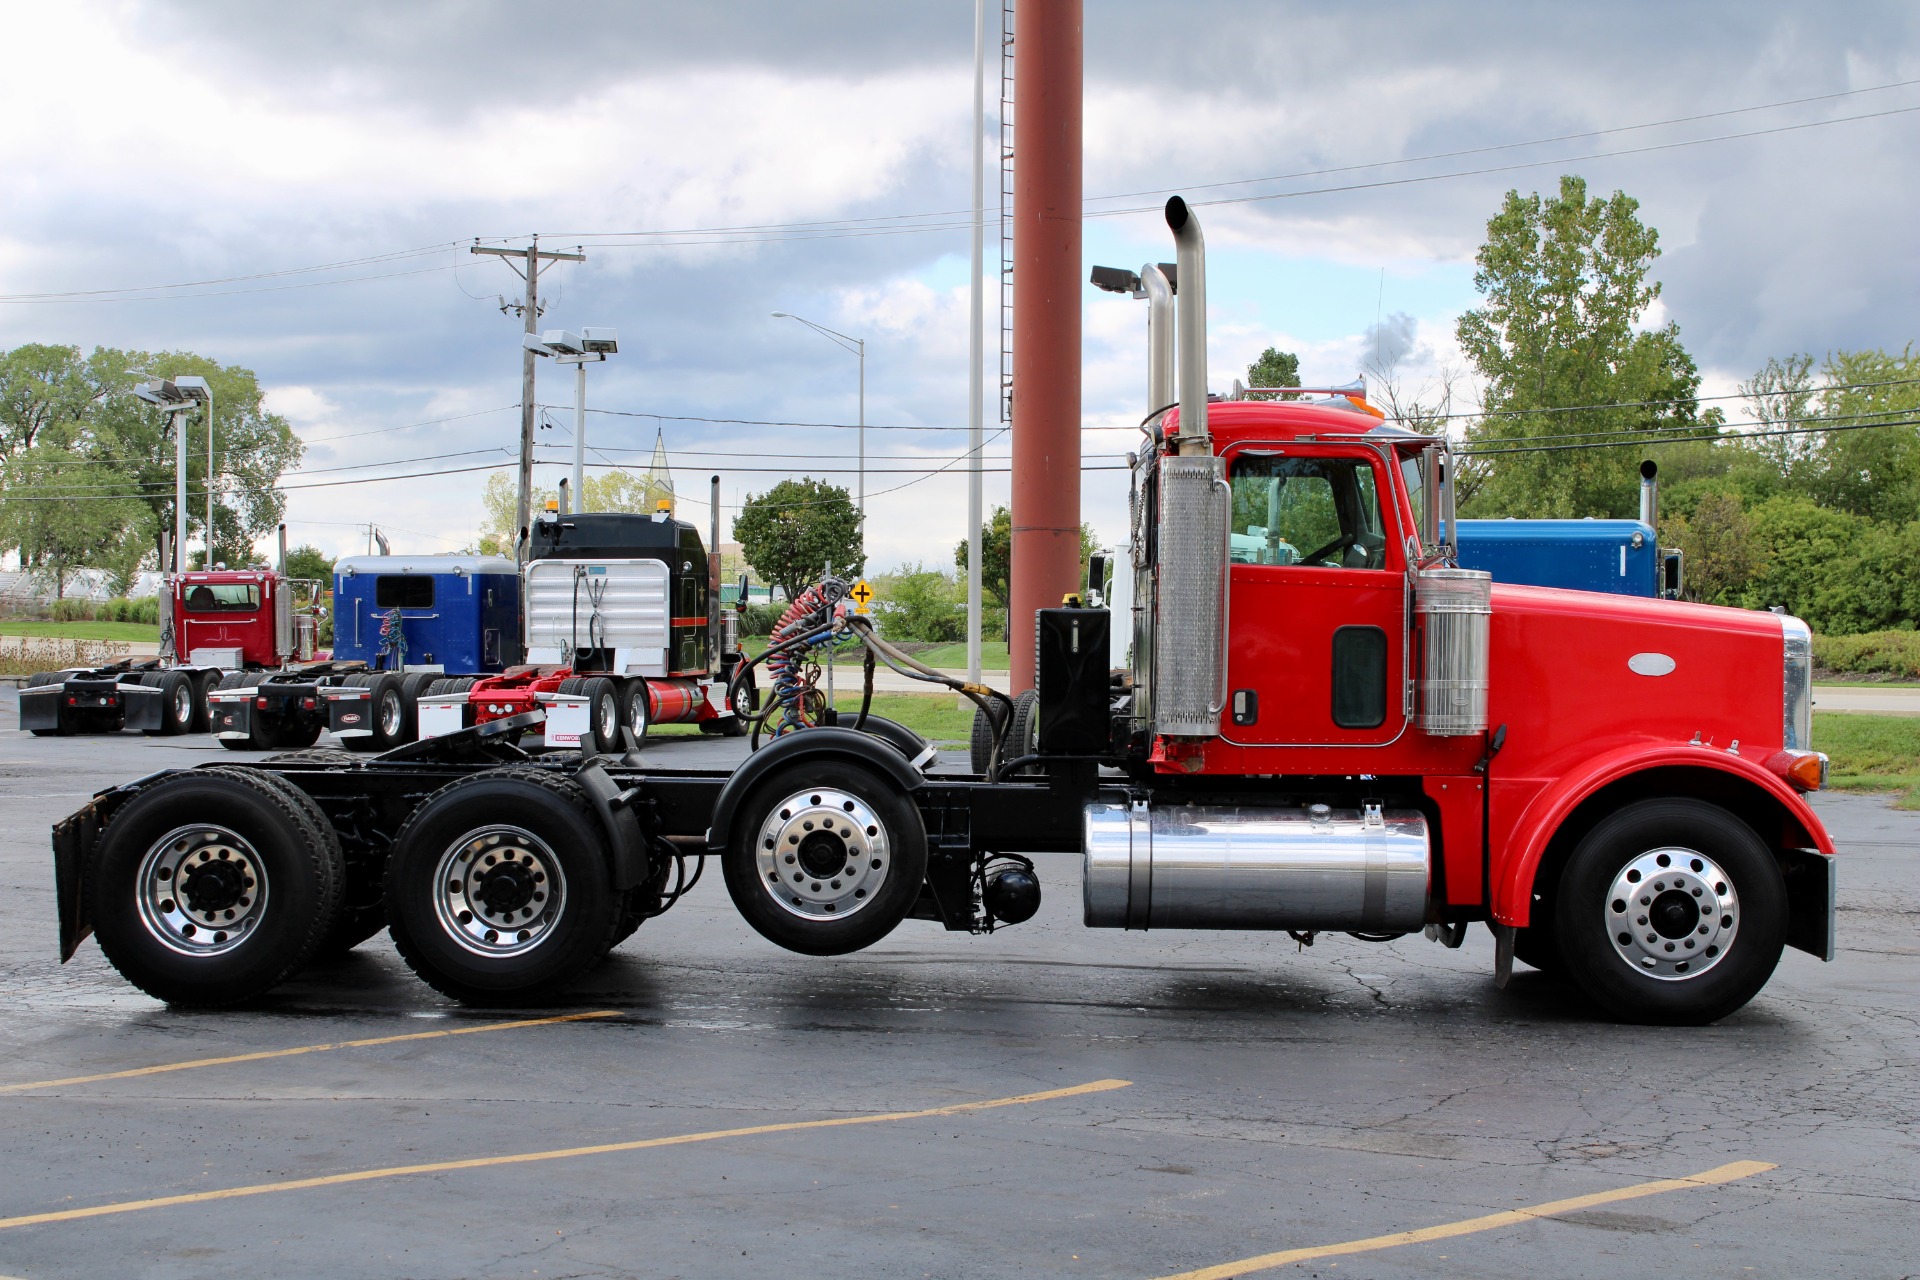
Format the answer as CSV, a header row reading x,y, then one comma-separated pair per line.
x,y
1650,664
350,717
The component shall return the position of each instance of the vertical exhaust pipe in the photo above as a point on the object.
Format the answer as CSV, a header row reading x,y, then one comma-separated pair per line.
x,y
1160,333
1192,307
1650,495
283,551
1190,575
565,509
714,645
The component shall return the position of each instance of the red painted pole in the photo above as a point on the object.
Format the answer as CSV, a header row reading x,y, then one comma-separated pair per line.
x,y
1047,73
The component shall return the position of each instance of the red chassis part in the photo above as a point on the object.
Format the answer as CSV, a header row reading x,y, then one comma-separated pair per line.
x,y
520,689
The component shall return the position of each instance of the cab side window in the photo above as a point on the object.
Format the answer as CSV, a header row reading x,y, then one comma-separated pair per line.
x,y
1312,512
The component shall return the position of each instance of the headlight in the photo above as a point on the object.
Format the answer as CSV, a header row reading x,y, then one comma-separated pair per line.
x,y
1796,685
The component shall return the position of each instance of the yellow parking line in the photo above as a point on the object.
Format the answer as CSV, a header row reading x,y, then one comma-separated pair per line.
x,y
565,1153
262,1056
1447,1230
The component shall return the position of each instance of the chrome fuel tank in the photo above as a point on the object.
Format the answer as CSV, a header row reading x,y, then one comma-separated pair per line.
x,y
1238,867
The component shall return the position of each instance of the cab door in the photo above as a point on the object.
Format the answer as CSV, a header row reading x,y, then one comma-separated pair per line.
x,y
1317,597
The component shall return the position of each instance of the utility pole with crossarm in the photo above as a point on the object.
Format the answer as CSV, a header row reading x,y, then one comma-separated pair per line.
x,y
530,312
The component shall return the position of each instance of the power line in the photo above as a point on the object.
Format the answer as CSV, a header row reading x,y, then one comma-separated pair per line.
x,y
945,220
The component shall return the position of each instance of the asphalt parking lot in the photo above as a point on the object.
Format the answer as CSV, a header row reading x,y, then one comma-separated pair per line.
x,y
1045,1101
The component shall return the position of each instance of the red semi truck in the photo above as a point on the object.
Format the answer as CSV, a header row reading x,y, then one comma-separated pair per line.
x,y
228,627
1340,732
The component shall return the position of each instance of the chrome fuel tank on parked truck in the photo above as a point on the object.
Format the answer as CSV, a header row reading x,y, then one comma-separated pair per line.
x,y
1238,867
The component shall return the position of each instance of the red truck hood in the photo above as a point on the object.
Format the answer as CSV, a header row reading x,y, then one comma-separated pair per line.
x,y
1583,671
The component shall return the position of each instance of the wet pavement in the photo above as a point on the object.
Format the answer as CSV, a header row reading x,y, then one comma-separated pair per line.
x,y
1275,1100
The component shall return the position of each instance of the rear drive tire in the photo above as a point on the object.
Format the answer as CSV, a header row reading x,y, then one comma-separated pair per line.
x,y
1671,912
498,888
177,699
212,886
825,858
637,710
603,713
985,728
1023,731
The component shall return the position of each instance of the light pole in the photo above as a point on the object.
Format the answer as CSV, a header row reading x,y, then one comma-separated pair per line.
x,y
173,402
589,346
196,390
859,348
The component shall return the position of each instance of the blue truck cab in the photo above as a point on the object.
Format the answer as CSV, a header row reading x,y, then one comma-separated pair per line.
x,y
454,614
1620,557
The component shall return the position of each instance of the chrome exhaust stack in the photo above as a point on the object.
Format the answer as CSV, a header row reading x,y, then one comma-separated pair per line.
x,y
1650,495
1196,508
1160,331
1191,301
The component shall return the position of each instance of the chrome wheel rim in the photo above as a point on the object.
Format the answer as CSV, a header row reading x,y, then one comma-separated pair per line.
x,y
201,890
390,713
823,854
1672,914
499,891
639,709
606,718
182,703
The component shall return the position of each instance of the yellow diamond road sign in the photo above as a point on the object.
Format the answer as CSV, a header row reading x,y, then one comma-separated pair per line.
x,y
862,596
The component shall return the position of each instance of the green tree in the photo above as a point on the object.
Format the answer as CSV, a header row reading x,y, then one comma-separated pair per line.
x,y
1716,538
1275,368
996,556
56,532
791,533
919,603
1566,285
122,446
308,561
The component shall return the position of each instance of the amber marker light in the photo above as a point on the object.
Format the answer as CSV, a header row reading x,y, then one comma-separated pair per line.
x,y
1806,770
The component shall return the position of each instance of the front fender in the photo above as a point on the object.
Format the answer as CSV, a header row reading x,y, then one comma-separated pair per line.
x,y
1526,845
845,744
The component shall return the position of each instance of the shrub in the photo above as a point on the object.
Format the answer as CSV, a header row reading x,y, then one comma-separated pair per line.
x,y
1894,653
72,609
759,619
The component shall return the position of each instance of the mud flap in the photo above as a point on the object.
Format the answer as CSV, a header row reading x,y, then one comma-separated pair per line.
x,y
40,708
232,717
145,707
73,841
1812,890
350,712
1503,940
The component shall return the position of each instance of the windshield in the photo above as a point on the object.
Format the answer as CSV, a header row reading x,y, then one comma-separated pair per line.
x,y
222,597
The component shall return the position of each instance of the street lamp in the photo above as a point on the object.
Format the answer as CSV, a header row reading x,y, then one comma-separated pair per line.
x,y
173,402
859,348
589,346
196,390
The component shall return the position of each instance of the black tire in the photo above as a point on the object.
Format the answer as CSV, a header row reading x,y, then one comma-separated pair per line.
x,y
282,890
603,714
412,685
177,702
1023,731
815,913
549,824
1659,958
985,727
203,683
745,702
636,710
314,755
386,712
275,733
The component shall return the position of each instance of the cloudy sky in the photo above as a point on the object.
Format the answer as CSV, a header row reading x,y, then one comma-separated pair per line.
x,y
1356,150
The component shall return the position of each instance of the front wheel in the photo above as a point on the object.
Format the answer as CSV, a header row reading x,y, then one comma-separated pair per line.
x,y
1671,912
498,889
825,858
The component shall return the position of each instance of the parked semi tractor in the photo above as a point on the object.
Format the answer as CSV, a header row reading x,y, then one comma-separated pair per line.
x,y
419,623
228,627
623,630
1622,557
1364,738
